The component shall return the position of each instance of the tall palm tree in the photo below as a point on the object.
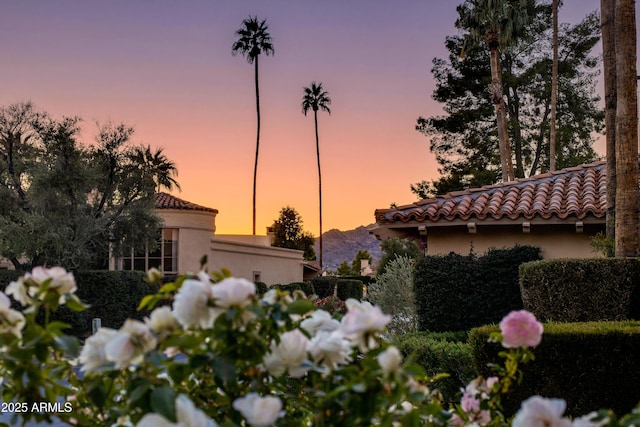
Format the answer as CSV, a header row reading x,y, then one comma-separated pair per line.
x,y
607,25
254,39
554,89
627,198
497,23
316,98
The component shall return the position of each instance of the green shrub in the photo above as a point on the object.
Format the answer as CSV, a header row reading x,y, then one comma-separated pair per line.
x,y
291,287
347,288
591,365
441,353
455,292
581,290
261,288
393,293
367,280
324,286
331,304
113,297
306,287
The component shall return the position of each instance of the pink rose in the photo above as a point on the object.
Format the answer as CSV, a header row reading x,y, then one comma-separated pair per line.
x,y
520,329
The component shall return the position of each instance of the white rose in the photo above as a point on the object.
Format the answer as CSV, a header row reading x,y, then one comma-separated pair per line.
x,y
538,411
162,320
11,321
390,360
18,290
330,349
320,320
193,306
362,322
233,292
62,282
187,415
92,355
130,343
288,355
259,411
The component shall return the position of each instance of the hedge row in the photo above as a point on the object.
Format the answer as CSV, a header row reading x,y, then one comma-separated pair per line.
x,y
591,365
349,288
440,353
581,290
455,292
324,286
113,297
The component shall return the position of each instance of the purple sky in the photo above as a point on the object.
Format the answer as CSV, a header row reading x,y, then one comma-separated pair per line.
x,y
165,67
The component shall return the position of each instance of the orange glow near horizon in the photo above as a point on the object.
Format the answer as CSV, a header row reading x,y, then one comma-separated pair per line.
x,y
168,71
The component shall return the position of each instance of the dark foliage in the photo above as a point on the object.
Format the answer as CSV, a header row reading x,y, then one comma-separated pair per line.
x,y
455,292
591,365
581,290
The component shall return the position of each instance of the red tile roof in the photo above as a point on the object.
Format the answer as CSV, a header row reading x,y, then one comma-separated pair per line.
x,y
167,201
568,193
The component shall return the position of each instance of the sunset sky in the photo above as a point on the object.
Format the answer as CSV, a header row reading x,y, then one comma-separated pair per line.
x,y
165,67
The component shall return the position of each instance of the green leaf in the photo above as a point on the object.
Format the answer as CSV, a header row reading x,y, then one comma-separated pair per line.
x,y
98,395
178,372
74,303
163,402
148,301
300,306
168,287
68,344
56,327
140,389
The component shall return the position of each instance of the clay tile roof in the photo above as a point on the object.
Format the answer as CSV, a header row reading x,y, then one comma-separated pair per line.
x,y
569,193
167,201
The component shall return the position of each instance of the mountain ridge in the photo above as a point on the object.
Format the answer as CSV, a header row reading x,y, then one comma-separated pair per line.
x,y
341,246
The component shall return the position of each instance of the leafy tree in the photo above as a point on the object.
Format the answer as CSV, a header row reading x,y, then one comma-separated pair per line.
x,y
316,98
464,139
344,269
361,255
497,23
253,40
393,293
288,233
395,248
66,203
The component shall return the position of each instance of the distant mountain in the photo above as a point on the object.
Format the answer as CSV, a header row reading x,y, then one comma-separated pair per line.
x,y
341,246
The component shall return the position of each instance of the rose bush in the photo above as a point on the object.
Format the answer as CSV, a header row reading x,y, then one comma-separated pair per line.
x,y
221,355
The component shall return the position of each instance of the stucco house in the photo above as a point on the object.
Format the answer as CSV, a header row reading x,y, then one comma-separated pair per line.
x,y
189,233
558,211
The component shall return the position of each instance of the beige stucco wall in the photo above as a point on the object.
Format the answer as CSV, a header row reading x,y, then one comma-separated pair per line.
x,y
195,231
559,241
275,265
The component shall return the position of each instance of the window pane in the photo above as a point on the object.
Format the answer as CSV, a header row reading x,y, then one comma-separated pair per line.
x,y
126,264
139,264
154,262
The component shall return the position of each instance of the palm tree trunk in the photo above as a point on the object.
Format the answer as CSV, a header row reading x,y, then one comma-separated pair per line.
x,y
315,118
255,166
554,90
607,25
501,120
627,243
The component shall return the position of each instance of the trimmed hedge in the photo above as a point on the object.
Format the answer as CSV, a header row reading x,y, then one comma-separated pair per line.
x,y
113,295
306,287
350,289
261,288
367,280
440,353
324,286
456,293
582,290
591,365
